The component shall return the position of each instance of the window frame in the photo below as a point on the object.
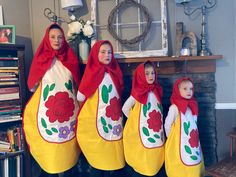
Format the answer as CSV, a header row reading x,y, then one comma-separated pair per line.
x,y
163,51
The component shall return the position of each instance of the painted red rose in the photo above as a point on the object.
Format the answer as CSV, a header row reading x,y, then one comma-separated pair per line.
x,y
60,107
114,109
154,122
194,140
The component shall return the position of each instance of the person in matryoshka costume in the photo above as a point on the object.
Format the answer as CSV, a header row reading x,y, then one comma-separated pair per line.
x,y
50,115
183,154
143,135
100,121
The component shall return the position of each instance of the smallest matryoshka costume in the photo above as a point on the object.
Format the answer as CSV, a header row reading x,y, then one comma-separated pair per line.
x,y
143,135
183,154
100,121
50,115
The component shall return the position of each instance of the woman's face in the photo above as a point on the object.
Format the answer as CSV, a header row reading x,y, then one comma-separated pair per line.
x,y
55,38
104,55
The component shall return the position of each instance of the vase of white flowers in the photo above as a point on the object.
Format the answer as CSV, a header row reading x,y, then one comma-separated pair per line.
x,y
82,32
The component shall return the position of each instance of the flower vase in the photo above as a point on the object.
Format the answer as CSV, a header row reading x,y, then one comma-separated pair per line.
x,y
83,50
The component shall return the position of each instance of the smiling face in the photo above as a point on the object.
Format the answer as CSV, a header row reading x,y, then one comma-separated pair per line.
x,y
55,38
105,53
149,74
186,89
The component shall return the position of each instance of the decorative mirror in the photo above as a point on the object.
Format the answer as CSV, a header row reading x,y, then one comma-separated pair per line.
x,y
136,28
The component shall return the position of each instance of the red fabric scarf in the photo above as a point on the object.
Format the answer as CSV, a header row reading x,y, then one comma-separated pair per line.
x,y
44,56
181,102
140,87
95,70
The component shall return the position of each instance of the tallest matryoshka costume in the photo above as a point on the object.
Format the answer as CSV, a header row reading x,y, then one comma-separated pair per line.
x,y
50,114
99,130
183,154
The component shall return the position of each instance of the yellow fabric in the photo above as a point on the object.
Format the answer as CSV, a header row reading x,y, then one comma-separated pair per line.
x,y
146,161
173,164
100,153
52,157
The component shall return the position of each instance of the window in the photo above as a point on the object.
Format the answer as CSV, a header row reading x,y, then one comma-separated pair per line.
x,y
129,23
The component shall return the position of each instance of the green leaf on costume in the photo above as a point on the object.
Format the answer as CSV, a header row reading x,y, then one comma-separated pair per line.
x,y
103,121
45,93
157,136
193,157
69,85
105,95
54,130
145,110
105,129
149,106
52,87
145,131
186,127
110,126
110,88
188,149
43,122
48,132
151,140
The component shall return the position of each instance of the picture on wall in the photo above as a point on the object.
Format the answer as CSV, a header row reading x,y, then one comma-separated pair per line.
x,y
7,34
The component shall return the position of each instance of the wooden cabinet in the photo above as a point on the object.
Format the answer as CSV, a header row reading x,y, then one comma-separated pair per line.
x,y
12,102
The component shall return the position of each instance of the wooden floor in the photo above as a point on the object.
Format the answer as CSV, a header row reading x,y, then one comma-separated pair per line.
x,y
225,168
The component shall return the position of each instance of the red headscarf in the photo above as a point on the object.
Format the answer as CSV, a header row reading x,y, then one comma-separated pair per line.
x,y
95,70
140,87
181,102
44,56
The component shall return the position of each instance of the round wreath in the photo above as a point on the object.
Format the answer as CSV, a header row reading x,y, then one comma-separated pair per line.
x,y
111,21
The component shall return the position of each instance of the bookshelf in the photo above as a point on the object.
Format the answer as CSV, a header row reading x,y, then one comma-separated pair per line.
x,y
12,102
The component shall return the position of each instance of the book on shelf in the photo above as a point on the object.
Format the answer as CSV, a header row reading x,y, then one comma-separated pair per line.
x,y
10,103
16,71
9,58
8,74
9,93
9,83
8,67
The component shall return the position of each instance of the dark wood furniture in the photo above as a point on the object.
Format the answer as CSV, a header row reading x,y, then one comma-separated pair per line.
x,y
14,53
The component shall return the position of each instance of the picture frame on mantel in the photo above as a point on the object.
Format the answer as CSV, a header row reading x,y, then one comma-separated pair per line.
x,y
7,34
129,22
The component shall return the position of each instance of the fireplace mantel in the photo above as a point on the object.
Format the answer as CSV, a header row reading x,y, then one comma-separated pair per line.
x,y
172,65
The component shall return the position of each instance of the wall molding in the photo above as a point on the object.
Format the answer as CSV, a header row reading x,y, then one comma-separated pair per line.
x,y
225,106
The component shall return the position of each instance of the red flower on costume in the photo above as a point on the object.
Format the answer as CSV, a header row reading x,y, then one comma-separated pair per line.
x,y
114,109
60,107
154,122
194,140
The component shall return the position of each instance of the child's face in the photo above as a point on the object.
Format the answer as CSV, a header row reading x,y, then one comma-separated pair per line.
x,y
104,55
186,89
150,74
55,38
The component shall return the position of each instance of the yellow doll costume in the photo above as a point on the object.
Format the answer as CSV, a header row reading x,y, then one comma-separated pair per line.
x,y
183,154
50,115
144,133
100,125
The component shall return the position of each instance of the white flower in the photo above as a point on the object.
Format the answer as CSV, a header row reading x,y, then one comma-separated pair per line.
x,y
75,27
78,28
88,30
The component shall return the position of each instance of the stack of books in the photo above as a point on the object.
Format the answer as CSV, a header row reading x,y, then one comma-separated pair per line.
x,y
10,109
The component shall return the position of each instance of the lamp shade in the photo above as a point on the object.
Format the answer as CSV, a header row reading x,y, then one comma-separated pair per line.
x,y
71,4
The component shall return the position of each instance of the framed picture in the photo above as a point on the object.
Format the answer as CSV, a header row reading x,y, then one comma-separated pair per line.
x,y
7,34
